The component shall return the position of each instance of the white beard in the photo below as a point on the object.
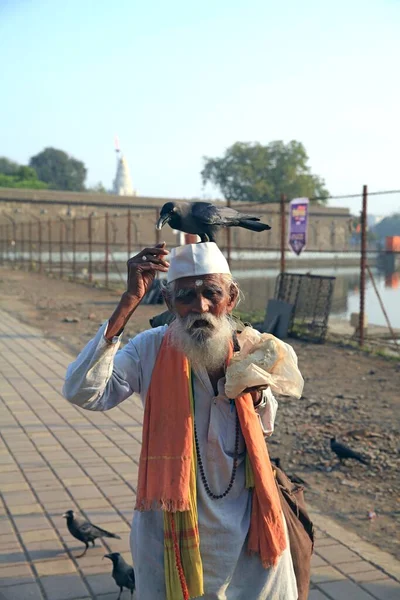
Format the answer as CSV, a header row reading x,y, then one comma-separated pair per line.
x,y
205,346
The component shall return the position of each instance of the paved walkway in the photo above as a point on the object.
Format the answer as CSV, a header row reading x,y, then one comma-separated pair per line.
x,y
54,457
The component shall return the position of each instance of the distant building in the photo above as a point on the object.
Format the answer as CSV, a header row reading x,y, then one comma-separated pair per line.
x,y
122,183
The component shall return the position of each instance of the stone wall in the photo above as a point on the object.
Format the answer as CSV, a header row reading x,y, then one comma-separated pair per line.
x,y
329,227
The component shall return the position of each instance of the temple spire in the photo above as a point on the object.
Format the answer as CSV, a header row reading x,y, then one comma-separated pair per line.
x,y
122,182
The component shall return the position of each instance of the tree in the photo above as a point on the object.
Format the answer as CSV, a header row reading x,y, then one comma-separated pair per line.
x,y
97,189
23,177
251,172
7,166
59,170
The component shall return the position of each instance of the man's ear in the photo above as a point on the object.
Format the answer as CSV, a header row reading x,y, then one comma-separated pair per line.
x,y
233,297
167,301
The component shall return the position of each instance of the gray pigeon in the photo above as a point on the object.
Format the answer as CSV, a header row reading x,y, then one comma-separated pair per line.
x,y
205,219
84,531
123,574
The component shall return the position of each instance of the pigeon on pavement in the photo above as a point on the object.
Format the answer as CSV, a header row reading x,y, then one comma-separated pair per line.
x,y
84,531
205,219
123,574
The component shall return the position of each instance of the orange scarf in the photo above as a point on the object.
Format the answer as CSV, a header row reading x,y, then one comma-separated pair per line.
x,y
168,453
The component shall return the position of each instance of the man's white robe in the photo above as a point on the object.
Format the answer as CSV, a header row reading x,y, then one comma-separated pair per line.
x,y
103,376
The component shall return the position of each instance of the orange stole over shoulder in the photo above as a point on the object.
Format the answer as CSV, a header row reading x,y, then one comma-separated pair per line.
x,y
167,454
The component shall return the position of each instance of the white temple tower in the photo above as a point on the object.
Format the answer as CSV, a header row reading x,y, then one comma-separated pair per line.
x,y
122,182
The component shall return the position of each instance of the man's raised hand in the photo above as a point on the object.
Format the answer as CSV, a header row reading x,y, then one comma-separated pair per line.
x,y
142,270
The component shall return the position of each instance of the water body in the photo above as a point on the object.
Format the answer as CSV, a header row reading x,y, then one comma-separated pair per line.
x,y
258,286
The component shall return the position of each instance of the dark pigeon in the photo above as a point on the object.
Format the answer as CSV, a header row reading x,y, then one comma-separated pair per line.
x,y
123,574
205,219
343,452
84,531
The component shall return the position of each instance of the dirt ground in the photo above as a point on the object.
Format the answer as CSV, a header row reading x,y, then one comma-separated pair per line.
x,y
347,393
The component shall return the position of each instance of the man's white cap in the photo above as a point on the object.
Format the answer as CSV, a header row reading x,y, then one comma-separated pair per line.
x,y
189,260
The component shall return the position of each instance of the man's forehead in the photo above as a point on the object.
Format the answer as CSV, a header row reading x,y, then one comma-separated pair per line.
x,y
197,281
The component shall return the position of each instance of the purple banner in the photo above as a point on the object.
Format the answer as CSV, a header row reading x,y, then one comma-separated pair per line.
x,y
298,224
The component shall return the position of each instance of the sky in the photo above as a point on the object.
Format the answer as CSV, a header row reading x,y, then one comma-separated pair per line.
x,y
179,80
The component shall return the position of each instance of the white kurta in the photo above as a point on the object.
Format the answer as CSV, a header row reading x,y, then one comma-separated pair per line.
x,y
102,377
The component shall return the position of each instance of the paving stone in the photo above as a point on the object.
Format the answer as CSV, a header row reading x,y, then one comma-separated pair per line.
x,y
12,556
344,590
102,583
15,574
314,595
34,536
44,549
359,566
326,573
337,554
55,567
389,589
31,522
30,591
64,587
26,509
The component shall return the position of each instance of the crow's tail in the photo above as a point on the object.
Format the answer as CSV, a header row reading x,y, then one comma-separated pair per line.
x,y
104,533
254,225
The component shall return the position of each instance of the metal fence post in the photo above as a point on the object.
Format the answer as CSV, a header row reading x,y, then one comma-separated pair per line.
x,y
61,249
90,266
129,235
40,245
283,232
22,250
74,248
2,244
228,239
158,232
30,233
363,264
106,251
50,253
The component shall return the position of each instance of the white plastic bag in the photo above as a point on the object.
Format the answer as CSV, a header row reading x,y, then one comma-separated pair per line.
x,y
263,360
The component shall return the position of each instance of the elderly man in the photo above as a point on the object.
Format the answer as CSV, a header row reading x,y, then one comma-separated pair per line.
x,y
208,522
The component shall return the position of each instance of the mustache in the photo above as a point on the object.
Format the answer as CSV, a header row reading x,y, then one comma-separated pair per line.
x,y
203,321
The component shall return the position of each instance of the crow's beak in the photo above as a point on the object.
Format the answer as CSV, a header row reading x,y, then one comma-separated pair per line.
x,y
162,220
107,556
64,515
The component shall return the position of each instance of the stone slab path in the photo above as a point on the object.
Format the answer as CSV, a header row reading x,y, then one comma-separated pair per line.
x,y
55,457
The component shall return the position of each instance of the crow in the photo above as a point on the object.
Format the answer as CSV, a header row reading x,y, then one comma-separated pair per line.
x,y
343,452
123,574
293,477
84,531
205,219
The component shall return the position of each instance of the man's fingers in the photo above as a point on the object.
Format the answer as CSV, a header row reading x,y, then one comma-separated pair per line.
x,y
154,251
152,267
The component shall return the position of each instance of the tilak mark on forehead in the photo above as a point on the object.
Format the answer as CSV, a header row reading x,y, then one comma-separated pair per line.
x,y
198,282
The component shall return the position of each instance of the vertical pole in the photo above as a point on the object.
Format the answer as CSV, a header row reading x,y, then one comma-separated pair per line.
x,y
8,238
90,266
50,248
74,248
40,244
283,232
363,258
129,235
228,239
2,245
61,250
107,249
158,232
22,250
30,245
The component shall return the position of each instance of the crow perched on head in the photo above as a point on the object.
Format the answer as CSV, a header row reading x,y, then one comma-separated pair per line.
x,y
343,452
205,219
123,574
84,531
